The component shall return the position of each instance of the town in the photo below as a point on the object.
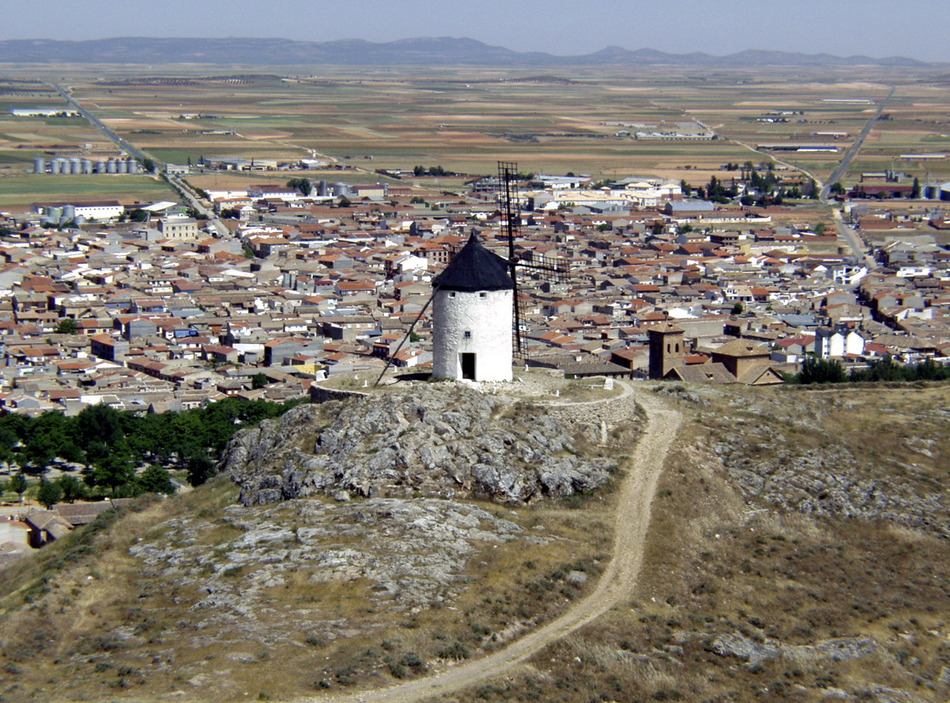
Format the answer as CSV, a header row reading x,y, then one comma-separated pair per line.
x,y
433,369
145,308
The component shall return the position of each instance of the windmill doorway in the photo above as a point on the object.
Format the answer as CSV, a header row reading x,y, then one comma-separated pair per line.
x,y
468,365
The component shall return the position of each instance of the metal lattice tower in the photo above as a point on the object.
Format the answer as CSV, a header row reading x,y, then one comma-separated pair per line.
x,y
510,208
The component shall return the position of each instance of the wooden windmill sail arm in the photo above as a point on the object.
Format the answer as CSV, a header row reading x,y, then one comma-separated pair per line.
x,y
392,356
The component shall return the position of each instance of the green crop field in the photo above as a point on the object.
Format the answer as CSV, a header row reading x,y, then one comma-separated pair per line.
x,y
19,191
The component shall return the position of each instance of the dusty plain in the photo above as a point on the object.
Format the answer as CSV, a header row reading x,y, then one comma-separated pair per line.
x,y
467,119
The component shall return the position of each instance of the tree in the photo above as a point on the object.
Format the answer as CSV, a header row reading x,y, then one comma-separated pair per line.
x,y
18,485
837,188
303,185
49,494
139,215
915,189
8,440
816,370
155,479
71,487
99,430
114,471
885,369
66,326
929,371
716,192
344,202
259,380
148,165
737,309
200,468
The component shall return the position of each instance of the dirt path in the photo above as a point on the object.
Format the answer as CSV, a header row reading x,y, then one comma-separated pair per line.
x,y
631,522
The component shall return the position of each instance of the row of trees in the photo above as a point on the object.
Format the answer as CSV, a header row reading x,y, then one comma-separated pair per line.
x,y
816,370
765,183
111,446
69,488
431,171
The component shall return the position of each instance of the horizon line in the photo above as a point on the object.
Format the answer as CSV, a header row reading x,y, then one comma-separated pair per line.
x,y
483,43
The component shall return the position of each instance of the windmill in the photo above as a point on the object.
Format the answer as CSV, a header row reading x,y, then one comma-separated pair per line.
x,y
476,299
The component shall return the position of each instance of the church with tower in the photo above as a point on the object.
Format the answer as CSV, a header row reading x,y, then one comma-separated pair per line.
x,y
739,361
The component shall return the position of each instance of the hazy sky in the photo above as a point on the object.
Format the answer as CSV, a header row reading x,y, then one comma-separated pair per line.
x,y
913,28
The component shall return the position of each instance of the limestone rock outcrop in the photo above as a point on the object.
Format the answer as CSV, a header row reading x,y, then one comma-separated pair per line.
x,y
434,440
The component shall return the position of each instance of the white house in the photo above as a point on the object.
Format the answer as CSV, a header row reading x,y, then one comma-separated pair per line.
x,y
835,343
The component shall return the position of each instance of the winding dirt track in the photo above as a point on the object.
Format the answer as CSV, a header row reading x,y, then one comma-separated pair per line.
x,y
631,522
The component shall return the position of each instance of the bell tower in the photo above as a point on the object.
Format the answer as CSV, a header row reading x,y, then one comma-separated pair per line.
x,y
667,348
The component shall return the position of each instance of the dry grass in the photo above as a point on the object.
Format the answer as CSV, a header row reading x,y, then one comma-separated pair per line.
x,y
717,564
109,626
104,626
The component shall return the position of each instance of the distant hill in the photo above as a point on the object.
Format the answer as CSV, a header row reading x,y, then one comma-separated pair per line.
x,y
355,52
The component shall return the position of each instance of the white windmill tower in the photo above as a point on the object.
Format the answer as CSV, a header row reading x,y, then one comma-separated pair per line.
x,y
477,311
472,316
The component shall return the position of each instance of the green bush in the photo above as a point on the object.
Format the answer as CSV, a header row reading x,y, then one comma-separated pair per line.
x,y
457,650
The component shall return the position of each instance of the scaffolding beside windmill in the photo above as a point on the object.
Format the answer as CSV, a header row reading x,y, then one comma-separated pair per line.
x,y
519,259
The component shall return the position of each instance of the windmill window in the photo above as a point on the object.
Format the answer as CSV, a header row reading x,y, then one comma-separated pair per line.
x,y
452,294
468,334
481,295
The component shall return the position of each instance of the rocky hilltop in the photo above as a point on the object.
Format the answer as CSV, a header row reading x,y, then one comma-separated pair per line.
x,y
433,440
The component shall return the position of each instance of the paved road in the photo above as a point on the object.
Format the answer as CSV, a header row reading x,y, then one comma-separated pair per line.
x,y
616,584
848,233
130,149
853,149
186,191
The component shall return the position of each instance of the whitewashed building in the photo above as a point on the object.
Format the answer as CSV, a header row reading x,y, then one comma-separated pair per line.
x,y
472,317
836,343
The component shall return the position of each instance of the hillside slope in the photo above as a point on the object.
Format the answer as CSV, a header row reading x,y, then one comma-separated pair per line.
x,y
799,551
203,597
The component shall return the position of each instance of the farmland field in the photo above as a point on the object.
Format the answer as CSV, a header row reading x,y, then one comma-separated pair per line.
x,y
127,189
466,119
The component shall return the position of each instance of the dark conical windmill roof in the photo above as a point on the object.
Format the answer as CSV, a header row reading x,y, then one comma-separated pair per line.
x,y
475,268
